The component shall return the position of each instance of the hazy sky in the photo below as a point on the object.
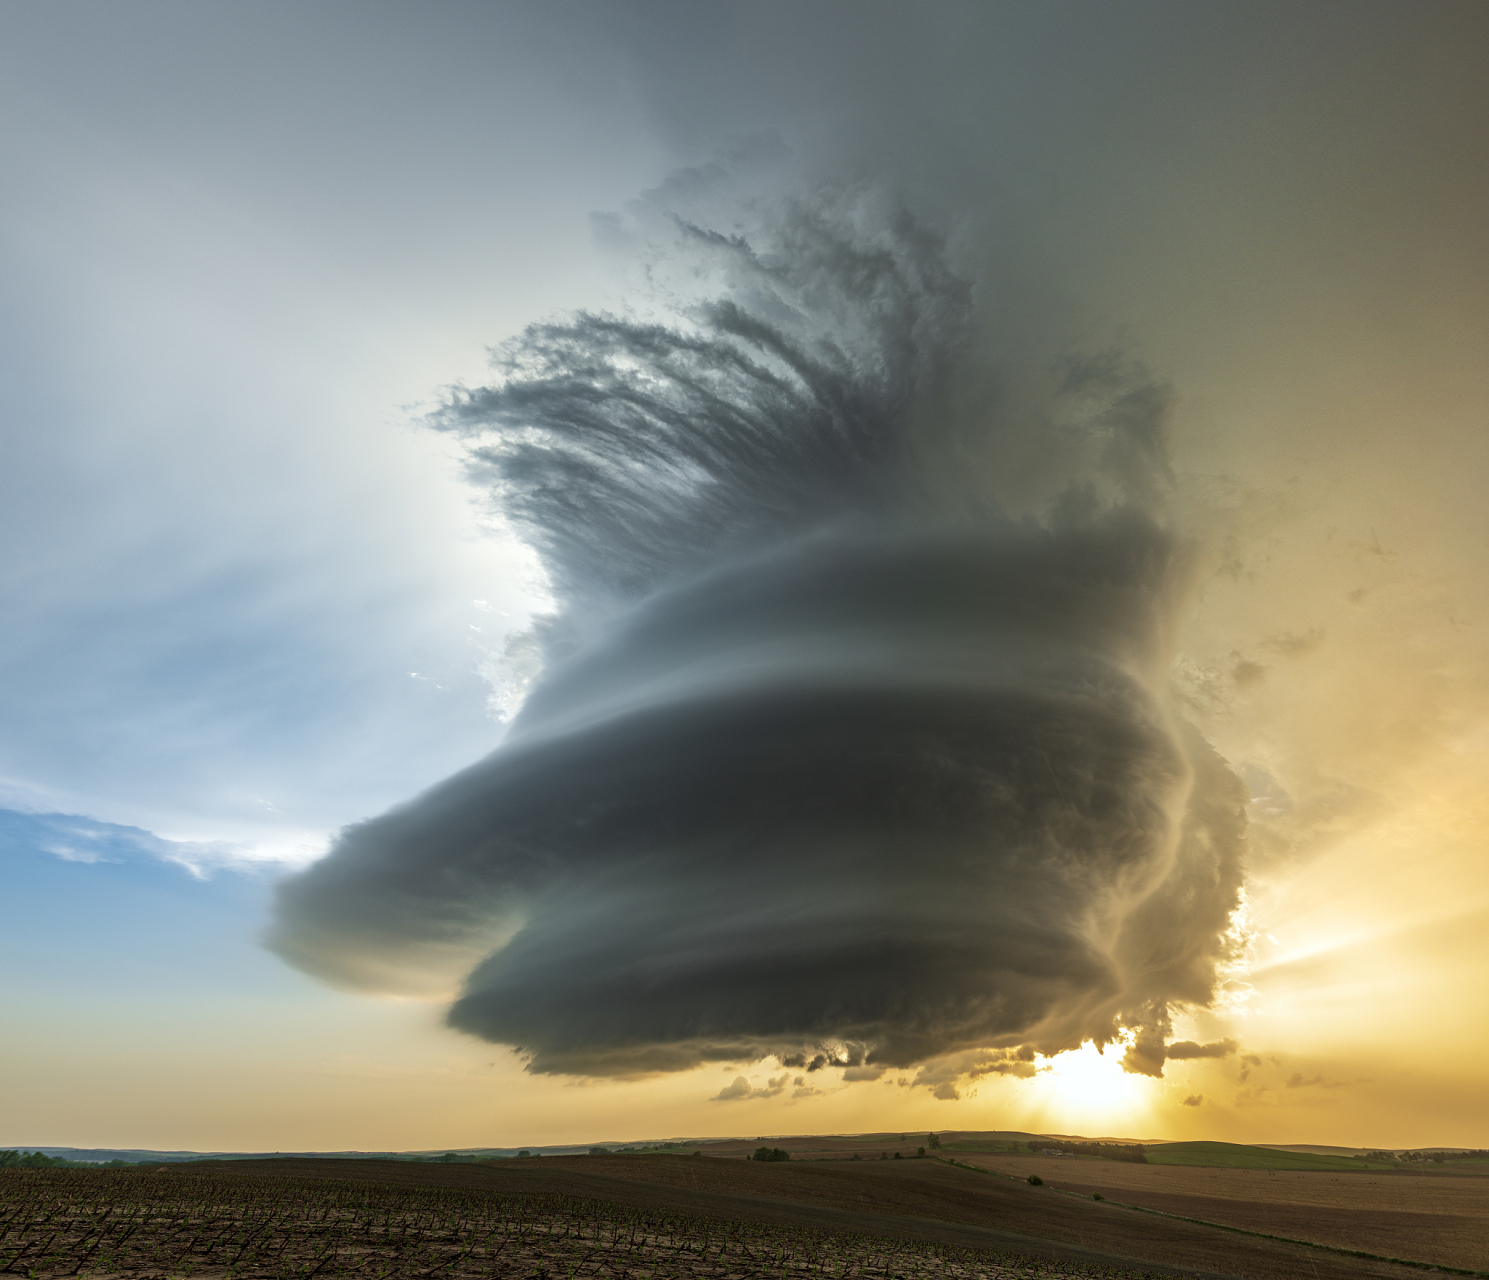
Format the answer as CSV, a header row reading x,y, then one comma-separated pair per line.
x,y
1221,267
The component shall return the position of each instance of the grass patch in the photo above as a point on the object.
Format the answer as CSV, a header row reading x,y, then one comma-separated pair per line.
x,y
987,1148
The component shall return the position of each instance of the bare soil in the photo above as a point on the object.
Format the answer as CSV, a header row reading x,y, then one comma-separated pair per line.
x,y
1436,1218
182,1222
923,1200
649,1217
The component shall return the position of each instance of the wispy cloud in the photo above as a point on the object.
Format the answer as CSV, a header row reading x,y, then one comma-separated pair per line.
x,y
76,838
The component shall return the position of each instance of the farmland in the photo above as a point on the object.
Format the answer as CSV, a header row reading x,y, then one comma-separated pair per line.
x,y
1231,1155
652,1216
1441,1218
190,1223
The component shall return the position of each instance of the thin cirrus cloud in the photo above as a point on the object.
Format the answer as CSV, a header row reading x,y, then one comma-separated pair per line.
x,y
71,838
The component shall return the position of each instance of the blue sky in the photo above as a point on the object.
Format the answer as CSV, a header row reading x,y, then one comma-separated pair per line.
x,y
242,588
111,923
247,598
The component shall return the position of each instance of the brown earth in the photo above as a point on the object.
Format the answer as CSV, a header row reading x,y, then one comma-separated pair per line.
x,y
176,1222
923,1200
1439,1218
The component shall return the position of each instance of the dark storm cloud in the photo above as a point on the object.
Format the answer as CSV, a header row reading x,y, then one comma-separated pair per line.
x,y
835,758
1181,1049
1147,1053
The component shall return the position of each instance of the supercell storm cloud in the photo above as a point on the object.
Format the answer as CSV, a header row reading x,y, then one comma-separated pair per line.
x,y
839,754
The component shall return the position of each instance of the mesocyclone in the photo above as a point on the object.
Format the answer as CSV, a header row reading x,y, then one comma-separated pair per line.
x,y
833,759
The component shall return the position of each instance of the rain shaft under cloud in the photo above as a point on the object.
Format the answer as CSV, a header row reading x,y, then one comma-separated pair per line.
x,y
846,750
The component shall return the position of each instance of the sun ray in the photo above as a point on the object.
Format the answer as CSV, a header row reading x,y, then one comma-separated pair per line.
x,y
1086,1091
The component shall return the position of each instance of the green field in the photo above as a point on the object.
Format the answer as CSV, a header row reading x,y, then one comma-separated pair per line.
x,y
990,1148
1230,1155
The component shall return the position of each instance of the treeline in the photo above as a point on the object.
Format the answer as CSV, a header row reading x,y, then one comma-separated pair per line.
x,y
771,1153
1422,1157
30,1160
1131,1154
36,1160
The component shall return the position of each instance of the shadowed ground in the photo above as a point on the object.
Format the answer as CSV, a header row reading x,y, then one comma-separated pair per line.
x,y
1440,1218
921,1200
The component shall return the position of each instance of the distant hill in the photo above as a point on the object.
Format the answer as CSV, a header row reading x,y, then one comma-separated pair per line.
x,y
1193,1154
1231,1155
138,1155
1313,1149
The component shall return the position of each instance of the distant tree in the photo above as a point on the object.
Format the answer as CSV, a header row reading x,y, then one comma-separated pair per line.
x,y
884,1155
1130,1153
523,1153
599,1151
769,1154
933,1142
920,1151
856,1156
897,1155
1034,1180
29,1160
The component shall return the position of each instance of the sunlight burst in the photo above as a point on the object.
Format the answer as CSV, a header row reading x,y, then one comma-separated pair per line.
x,y
1086,1089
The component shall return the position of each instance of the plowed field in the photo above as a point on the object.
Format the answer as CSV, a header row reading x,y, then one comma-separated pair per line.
x,y
921,1200
1438,1218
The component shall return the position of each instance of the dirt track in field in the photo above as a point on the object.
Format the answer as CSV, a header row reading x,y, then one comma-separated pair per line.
x,y
1438,1218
